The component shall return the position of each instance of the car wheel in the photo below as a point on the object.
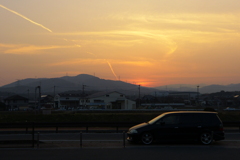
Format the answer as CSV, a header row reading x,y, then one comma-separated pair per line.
x,y
206,138
147,138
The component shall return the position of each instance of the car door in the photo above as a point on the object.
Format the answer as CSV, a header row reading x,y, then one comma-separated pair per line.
x,y
167,127
189,126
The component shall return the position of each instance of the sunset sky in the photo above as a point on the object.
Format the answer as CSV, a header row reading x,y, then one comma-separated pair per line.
x,y
146,42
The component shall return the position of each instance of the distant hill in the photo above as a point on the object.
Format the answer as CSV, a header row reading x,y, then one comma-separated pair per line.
x,y
74,83
94,84
202,88
218,88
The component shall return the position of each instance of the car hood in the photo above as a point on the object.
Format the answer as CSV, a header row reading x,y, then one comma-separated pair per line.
x,y
139,126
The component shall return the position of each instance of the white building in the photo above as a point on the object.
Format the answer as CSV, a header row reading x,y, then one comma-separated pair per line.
x,y
107,100
66,101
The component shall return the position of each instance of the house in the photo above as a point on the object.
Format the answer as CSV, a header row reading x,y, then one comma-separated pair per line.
x,y
47,101
107,100
16,102
67,101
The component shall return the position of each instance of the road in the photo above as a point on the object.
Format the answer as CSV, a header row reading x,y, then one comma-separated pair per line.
x,y
94,140
109,146
137,153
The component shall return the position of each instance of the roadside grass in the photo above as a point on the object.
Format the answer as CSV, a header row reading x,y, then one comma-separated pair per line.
x,y
72,116
76,117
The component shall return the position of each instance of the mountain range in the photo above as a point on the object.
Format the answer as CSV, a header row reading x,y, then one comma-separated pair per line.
x,y
202,88
84,82
76,83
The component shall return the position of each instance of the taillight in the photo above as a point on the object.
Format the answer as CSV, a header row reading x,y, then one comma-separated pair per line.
x,y
221,127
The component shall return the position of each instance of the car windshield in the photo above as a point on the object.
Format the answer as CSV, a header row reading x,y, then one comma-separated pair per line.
x,y
156,119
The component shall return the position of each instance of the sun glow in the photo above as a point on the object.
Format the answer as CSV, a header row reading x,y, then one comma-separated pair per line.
x,y
141,82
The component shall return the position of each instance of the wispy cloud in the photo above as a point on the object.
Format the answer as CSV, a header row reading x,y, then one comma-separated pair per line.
x,y
135,63
176,18
101,61
81,61
126,38
27,49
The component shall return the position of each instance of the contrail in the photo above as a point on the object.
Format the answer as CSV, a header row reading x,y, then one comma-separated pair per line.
x,y
26,18
20,15
112,69
109,64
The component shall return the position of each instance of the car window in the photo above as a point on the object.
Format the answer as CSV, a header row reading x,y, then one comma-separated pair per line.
x,y
189,119
185,119
210,118
170,119
195,119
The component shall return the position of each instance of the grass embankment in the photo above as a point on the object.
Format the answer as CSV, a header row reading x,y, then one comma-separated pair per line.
x,y
7,117
229,116
76,117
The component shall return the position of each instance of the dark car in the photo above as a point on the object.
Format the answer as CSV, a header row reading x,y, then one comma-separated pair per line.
x,y
179,126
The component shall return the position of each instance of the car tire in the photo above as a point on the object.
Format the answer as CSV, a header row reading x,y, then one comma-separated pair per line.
x,y
206,138
147,138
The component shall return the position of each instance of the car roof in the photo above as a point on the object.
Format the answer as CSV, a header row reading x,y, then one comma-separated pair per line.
x,y
173,112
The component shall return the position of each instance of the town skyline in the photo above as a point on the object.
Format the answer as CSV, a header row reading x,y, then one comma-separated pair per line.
x,y
149,43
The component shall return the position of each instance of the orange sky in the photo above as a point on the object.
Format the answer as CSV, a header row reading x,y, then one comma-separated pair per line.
x,y
146,42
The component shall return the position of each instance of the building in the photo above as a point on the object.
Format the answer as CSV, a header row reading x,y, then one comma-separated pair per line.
x,y
184,95
16,102
47,101
67,101
160,93
107,100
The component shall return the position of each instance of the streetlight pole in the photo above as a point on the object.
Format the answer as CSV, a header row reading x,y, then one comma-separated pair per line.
x,y
54,90
198,91
139,96
39,97
83,95
197,94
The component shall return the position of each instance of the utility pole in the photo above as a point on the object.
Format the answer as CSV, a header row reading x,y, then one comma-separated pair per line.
x,y
54,90
28,93
39,97
139,101
197,94
155,99
83,94
54,93
83,89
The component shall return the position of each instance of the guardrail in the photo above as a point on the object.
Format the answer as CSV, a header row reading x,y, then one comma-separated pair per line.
x,y
86,125
78,125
